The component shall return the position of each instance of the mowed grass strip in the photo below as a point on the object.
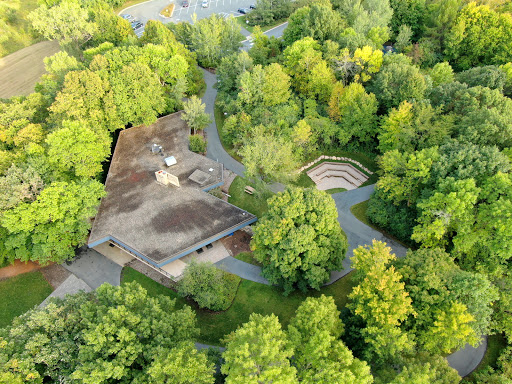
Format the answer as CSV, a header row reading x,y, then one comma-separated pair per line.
x,y
21,293
251,298
255,203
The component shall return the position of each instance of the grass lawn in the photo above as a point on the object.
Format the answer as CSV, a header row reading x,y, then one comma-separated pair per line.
x,y
251,297
303,181
359,211
248,258
20,24
495,345
21,293
243,24
335,190
255,204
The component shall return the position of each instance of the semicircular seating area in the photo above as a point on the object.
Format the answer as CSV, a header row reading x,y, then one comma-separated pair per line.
x,y
329,175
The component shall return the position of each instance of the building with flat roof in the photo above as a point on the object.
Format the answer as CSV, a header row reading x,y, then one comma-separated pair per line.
x,y
158,212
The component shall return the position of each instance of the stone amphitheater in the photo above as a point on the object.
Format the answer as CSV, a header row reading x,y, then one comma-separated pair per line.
x,y
329,175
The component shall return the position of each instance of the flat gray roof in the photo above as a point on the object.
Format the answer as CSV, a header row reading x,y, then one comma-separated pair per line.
x,y
161,222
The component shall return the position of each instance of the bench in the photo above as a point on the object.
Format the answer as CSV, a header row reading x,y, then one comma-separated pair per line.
x,y
249,190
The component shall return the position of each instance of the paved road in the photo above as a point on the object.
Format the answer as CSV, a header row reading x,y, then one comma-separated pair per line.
x,y
94,268
275,32
465,360
357,232
151,10
215,151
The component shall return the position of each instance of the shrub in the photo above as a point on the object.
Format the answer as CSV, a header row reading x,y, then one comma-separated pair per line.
x,y
197,143
208,286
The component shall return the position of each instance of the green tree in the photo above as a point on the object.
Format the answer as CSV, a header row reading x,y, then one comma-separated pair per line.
x,y
449,210
489,76
194,114
52,226
19,185
413,126
479,36
319,21
381,300
396,83
425,369
138,94
320,357
355,111
359,66
67,22
114,334
299,241
405,174
258,352
181,365
88,97
451,329
208,286
367,19
408,12
403,39
442,73
434,281
268,11
213,38
77,149
197,143
269,158
263,87
230,70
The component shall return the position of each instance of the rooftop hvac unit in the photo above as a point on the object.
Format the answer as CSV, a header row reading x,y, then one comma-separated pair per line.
x,y
170,161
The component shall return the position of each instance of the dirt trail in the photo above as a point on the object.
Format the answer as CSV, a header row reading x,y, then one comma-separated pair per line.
x,y
20,70
18,268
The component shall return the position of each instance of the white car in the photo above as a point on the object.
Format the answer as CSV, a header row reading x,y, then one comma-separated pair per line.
x,y
204,4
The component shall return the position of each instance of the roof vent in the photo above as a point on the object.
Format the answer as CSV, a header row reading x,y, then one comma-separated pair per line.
x,y
155,148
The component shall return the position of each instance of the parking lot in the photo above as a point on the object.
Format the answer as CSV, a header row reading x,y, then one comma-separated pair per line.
x,y
151,10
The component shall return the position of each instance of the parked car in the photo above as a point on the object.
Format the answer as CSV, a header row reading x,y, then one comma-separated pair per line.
x,y
137,25
204,4
243,10
184,3
128,17
252,6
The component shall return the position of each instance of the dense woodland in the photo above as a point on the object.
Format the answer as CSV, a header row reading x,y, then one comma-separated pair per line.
x,y
421,86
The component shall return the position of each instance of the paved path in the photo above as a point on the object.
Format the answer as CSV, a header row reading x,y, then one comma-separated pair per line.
x,y
70,286
244,270
215,151
465,360
357,232
94,268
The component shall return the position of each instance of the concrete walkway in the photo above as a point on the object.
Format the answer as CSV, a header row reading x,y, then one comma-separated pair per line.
x,y
70,286
241,268
94,268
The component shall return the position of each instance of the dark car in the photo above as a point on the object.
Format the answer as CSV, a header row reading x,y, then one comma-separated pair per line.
x,y
184,3
137,25
252,6
243,10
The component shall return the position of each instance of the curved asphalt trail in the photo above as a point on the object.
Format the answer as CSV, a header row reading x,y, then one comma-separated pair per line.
x,y
464,360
